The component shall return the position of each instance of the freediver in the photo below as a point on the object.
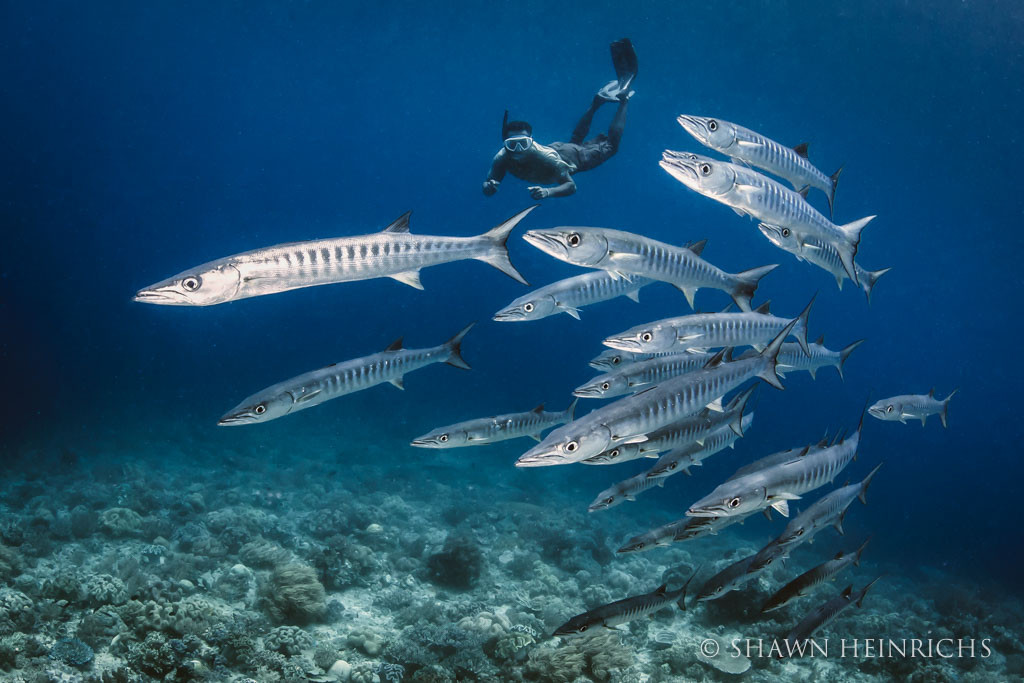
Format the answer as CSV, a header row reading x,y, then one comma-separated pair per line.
x,y
555,164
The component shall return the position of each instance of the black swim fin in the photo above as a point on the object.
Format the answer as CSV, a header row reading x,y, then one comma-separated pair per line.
x,y
624,61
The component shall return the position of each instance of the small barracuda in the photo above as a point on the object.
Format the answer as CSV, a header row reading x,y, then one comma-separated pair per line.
x,y
729,579
806,582
684,529
488,430
313,388
623,491
693,455
826,613
570,295
625,255
745,146
710,330
393,252
912,407
775,485
792,358
631,419
748,192
607,617
660,537
696,527
821,253
610,359
637,376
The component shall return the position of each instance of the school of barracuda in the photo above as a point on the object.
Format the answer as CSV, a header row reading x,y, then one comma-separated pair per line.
x,y
669,378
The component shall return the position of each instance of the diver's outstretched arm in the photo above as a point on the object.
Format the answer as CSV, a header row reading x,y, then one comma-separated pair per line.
x,y
495,175
564,190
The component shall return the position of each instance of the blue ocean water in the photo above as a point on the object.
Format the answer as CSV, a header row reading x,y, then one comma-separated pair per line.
x,y
144,138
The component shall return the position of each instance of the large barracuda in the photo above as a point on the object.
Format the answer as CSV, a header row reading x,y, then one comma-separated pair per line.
x,y
570,295
826,613
821,253
625,254
394,252
745,146
631,419
488,430
751,193
912,407
806,582
610,359
313,388
637,376
777,484
613,614
693,455
710,330
792,358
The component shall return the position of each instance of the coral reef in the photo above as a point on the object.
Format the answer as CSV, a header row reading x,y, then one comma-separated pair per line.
x,y
295,594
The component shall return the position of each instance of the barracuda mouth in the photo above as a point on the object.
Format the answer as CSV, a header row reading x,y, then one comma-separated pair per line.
x,y
693,126
588,392
704,512
424,443
681,171
546,242
508,316
166,296
623,344
876,412
235,420
541,460
772,232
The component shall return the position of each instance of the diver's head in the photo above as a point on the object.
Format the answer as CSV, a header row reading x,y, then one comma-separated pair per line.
x,y
518,135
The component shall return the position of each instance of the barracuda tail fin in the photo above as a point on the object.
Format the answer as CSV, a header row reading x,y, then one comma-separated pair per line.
x,y
832,191
863,493
739,404
747,285
848,250
868,280
945,408
800,331
845,353
856,555
864,591
570,412
454,346
497,254
771,353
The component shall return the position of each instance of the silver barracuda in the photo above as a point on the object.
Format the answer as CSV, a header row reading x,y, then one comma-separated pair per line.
x,y
313,388
393,252
697,527
614,614
826,613
631,419
488,430
570,295
792,358
637,376
745,146
778,458
659,537
610,359
912,407
777,484
625,490
693,455
710,330
626,255
733,577
820,253
806,582
748,192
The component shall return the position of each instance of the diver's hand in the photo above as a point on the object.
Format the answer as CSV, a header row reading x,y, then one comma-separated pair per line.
x,y
490,187
538,192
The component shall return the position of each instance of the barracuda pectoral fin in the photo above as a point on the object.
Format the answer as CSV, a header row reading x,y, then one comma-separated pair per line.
x,y
639,438
571,310
307,397
700,441
399,384
747,190
749,144
620,275
739,162
739,212
410,277
781,502
683,338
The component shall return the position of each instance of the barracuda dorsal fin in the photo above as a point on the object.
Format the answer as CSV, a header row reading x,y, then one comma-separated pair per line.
x,y
306,397
931,393
539,409
821,341
395,345
698,247
634,295
662,589
822,444
410,277
400,224
764,309
848,591
716,359
804,191
801,149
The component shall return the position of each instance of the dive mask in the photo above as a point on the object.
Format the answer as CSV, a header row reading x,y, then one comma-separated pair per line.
x,y
518,143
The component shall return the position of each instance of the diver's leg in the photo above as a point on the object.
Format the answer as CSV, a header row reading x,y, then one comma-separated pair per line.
x,y
618,126
583,126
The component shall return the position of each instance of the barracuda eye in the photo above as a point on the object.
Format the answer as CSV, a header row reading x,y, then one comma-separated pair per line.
x,y
799,532
613,453
443,438
605,386
785,232
672,465
571,447
768,562
718,589
528,308
646,337
616,360
705,169
609,500
889,409
191,283
583,628
712,125
735,502
574,239
260,409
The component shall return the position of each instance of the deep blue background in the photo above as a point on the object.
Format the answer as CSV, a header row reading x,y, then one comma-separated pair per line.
x,y
143,138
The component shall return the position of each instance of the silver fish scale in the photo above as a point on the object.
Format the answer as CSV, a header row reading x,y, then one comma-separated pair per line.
x,y
654,370
725,329
605,358
823,254
816,468
669,263
778,205
792,357
591,288
686,431
780,160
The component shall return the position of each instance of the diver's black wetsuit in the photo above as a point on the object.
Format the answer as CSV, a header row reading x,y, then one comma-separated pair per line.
x,y
558,162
